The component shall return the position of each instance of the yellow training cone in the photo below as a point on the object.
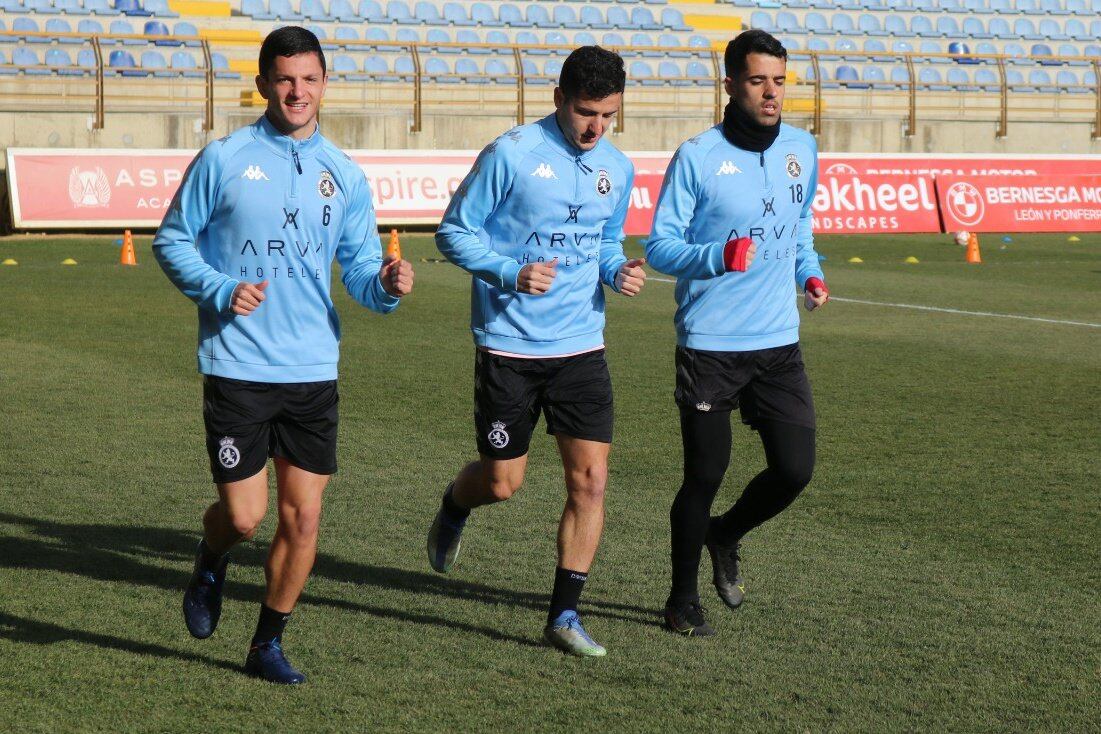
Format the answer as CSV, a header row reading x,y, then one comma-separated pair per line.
x,y
1073,238
855,260
912,260
9,261
68,261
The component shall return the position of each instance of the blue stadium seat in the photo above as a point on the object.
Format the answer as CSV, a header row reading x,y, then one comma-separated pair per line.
x,y
1095,29
673,19
1092,50
122,59
89,27
342,10
932,47
158,28
345,33
439,70
160,9
987,80
1089,79
999,28
130,7
698,41
986,48
38,7
481,14
428,13
876,46
643,39
398,12
1041,80
900,76
256,9
371,11
185,29
671,73
1052,7
874,75
407,35
948,27
344,67
455,14
1016,52
696,70
669,41
869,25
641,73
591,17
497,71
1078,7
500,37
221,66
896,26
25,57
1076,29
817,44
1042,49
1024,28
99,7
469,72
537,16
565,16
468,36
643,18
57,57
556,38
614,39
375,67
826,84
1014,79
975,6
844,46
921,26
786,22
86,58
843,24
403,68
60,25
313,10
1068,81
321,34
762,21
961,50
183,63
71,7
974,28
510,15
28,25
283,10
1069,49
960,79
531,73
1051,30
438,35
902,47
154,62
931,79
617,16
926,5
790,44
527,38
848,77
552,68
816,23
952,6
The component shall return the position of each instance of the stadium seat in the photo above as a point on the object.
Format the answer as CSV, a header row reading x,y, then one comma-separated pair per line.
x,y
643,39
961,51
71,7
407,35
123,28
154,62
1052,7
974,28
556,38
553,69
345,33
842,24
1001,6
817,44
948,27
1016,52
959,79
670,73
510,15
975,6
183,63
952,6
160,9
397,12
641,73
999,28
28,25
614,40
643,18
25,58
565,16
537,16
931,79
869,25
527,38
1095,29
130,7
896,26
314,10
89,27
874,75
698,72
902,47
987,80
221,66
58,26
371,11
816,23
698,41
122,59
844,46
438,69
1076,29
57,57
673,19
283,10
375,67
932,47
467,70
1042,49
1069,49
1078,7
256,9
1051,30
86,58
501,38
1067,80
341,10
761,21
158,28
438,35
1024,28
99,7
1041,80
428,13
790,44
1014,79
848,77
618,17
591,17
669,41
482,14
403,68
900,76
344,67
497,71
921,26
455,14
876,46
1092,50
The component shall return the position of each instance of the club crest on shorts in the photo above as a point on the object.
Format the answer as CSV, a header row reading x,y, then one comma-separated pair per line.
x,y
794,169
498,436
228,455
326,186
603,183
703,406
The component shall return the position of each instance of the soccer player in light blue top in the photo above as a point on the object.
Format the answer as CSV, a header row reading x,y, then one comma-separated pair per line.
x,y
733,224
250,238
539,222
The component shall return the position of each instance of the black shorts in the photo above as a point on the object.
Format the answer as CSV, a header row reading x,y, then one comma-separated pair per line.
x,y
767,384
575,394
246,422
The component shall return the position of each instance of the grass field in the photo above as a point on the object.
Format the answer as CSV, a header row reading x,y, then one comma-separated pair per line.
x,y
942,571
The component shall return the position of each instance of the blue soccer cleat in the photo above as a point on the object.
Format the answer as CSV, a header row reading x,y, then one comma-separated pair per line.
x,y
266,660
202,602
444,540
567,634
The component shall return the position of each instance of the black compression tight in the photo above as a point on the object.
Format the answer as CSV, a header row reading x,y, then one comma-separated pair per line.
x,y
789,451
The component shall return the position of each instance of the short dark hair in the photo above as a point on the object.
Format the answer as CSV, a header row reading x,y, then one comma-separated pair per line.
x,y
751,42
289,40
592,72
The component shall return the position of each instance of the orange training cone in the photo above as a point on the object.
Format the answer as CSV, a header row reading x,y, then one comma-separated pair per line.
x,y
394,248
128,256
973,255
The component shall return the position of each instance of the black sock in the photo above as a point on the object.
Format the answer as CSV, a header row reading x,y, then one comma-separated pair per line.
x,y
270,626
706,439
451,508
567,591
789,450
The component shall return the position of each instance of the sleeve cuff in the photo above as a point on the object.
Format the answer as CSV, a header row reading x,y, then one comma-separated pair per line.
x,y
385,301
224,298
509,273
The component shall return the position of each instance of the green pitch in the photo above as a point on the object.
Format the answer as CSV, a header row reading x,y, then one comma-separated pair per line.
x,y
941,572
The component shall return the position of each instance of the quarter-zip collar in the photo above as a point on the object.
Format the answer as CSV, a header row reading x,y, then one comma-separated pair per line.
x,y
285,145
558,140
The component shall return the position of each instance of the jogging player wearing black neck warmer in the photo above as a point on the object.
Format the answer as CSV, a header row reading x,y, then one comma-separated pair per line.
x,y
745,132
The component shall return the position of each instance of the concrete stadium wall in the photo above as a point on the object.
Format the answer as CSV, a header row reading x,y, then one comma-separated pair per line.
x,y
472,131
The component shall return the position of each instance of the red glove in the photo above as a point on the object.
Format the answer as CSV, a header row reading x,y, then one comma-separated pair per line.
x,y
734,254
813,283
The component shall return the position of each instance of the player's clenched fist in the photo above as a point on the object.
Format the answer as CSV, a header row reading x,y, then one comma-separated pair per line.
x,y
631,277
397,277
738,254
247,297
535,279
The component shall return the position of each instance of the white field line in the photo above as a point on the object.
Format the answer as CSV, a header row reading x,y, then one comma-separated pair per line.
x,y
916,307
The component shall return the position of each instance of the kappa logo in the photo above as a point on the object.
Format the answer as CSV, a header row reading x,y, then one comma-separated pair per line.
x,y
498,436
228,455
253,173
544,171
727,169
89,188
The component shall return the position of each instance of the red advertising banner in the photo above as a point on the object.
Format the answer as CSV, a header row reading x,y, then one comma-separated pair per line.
x,y
109,189
1034,204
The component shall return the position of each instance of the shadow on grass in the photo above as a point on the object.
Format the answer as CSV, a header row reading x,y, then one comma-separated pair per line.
x,y
145,555
22,629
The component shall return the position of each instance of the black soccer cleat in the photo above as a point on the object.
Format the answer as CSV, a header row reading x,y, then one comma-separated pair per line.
x,y
725,565
687,618
202,602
